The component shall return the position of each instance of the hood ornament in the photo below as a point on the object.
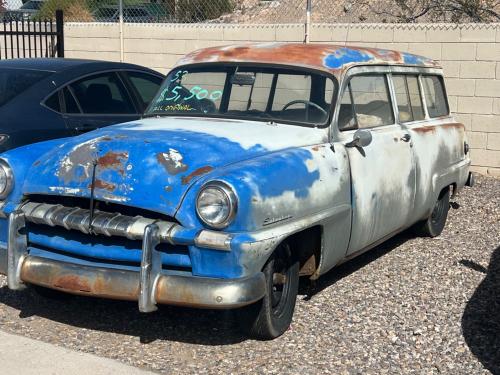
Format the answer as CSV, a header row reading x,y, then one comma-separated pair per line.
x,y
92,192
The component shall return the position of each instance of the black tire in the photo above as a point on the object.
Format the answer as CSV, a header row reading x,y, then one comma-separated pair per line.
x,y
271,317
434,225
51,293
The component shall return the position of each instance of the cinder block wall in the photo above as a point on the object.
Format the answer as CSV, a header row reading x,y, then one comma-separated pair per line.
x,y
469,54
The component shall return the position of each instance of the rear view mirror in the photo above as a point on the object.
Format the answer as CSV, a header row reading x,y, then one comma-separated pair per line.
x,y
243,79
361,138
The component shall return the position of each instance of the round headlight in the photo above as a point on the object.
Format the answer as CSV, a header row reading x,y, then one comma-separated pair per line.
x,y
216,204
6,179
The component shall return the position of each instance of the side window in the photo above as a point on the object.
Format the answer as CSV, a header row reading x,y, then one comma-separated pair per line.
x,y
370,105
408,98
435,96
70,105
146,85
102,94
53,102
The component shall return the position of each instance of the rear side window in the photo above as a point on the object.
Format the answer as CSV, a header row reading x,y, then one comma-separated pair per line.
x,y
14,81
435,96
366,103
53,102
408,98
146,85
103,94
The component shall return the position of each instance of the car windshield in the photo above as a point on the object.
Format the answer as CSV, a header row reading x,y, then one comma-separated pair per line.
x,y
15,81
261,93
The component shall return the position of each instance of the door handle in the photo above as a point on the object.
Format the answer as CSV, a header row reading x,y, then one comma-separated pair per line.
x,y
406,138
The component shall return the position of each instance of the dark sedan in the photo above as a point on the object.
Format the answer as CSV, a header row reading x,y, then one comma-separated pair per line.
x,y
42,99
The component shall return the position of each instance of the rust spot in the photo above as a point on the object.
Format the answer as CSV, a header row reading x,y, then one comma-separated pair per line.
x,y
100,184
293,54
113,160
315,148
425,129
432,129
36,163
198,172
168,189
73,282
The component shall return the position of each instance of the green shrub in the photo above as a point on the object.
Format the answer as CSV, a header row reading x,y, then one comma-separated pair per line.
x,y
74,10
200,10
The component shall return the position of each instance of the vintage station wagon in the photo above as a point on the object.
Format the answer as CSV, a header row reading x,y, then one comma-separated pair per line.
x,y
254,165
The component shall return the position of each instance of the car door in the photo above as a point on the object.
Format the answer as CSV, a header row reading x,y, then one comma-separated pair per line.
x,y
143,86
97,101
382,172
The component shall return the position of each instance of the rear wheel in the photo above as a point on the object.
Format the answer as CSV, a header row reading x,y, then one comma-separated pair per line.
x,y
271,316
434,225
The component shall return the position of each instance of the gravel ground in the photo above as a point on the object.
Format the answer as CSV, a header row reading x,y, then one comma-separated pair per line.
x,y
412,306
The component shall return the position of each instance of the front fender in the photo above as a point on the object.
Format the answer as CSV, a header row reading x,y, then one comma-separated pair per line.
x,y
21,161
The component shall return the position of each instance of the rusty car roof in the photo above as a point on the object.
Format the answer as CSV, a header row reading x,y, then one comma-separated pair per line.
x,y
327,57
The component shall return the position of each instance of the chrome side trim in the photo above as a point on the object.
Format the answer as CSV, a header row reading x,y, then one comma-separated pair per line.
x,y
16,250
150,269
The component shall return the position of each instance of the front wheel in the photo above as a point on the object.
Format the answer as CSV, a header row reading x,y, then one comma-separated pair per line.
x,y
434,225
270,317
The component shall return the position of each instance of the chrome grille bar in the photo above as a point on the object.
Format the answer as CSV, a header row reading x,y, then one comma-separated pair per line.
x,y
103,223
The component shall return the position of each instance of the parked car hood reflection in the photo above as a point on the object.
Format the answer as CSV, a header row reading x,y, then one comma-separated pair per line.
x,y
152,163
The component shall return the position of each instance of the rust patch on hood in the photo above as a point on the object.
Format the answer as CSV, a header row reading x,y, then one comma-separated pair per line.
x,y
198,172
113,160
100,184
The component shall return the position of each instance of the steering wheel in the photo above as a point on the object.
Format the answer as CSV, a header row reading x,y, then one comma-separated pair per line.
x,y
207,106
307,103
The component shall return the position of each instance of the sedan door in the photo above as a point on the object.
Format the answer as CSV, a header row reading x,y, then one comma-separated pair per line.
x,y
382,171
97,101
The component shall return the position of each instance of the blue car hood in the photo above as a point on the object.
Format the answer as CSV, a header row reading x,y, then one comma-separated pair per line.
x,y
152,163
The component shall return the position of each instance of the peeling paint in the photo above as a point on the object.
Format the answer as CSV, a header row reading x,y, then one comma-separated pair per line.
x,y
172,161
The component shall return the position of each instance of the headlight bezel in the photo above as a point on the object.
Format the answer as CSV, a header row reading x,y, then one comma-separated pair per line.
x,y
231,196
10,179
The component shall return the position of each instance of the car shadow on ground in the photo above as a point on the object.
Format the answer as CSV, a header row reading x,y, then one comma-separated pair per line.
x,y
207,327
309,289
481,317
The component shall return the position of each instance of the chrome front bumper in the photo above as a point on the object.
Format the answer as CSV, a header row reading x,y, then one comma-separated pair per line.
x,y
149,286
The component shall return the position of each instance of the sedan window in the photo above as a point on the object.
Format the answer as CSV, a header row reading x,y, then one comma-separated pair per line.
x,y
14,81
147,85
103,94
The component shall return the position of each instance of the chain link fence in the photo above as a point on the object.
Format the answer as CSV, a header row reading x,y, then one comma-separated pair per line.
x,y
256,11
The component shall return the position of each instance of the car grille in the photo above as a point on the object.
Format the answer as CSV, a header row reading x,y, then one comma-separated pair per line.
x,y
83,244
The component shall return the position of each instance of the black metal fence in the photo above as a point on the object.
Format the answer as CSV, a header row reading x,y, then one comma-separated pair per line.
x,y
32,38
